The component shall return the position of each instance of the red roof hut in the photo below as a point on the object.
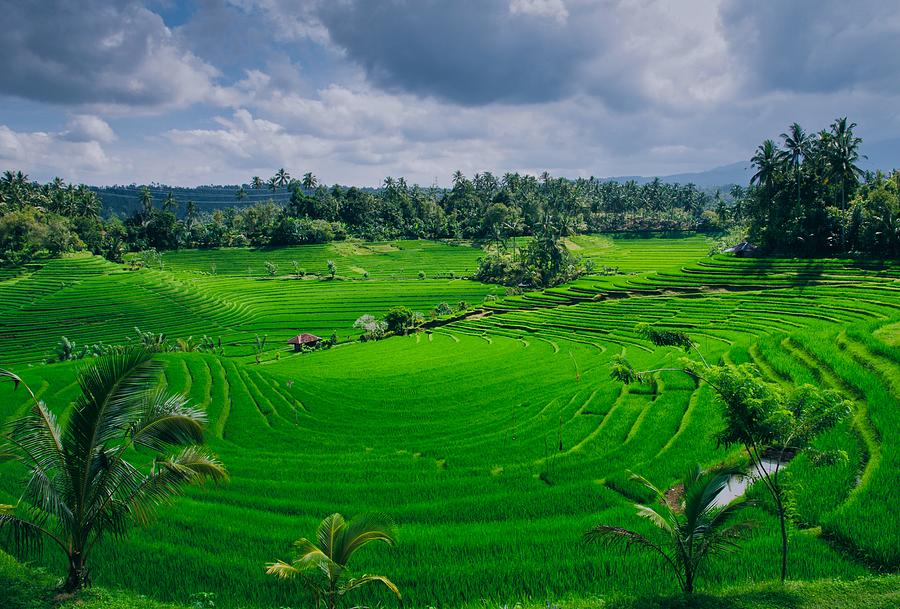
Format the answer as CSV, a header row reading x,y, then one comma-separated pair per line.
x,y
304,340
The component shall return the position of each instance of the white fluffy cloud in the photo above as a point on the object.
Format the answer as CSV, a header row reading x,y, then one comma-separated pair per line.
x,y
47,154
88,128
355,90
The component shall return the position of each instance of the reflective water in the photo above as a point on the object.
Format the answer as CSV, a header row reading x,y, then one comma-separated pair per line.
x,y
737,485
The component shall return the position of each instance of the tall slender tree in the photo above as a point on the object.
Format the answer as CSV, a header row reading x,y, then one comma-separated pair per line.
x,y
796,145
843,154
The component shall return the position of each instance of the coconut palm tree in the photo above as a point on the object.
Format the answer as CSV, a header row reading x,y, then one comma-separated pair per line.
x,y
85,481
146,200
240,194
843,153
336,542
766,161
309,181
273,183
796,145
256,183
282,177
170,203
692,526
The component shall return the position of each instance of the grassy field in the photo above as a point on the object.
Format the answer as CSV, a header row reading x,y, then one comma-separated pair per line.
x,y
493,442
22,587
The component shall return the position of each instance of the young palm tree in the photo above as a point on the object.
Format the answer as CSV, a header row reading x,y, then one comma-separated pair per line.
x,y
256,183
692,530
84,481
240,194
336,542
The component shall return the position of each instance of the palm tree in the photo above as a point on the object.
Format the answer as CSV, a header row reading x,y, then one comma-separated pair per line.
x,y
282,177
146,200
256,182
241,194
336,542
843,153
458,177
796,145
309,181
85,481
692,527
273,183
170,203
766,161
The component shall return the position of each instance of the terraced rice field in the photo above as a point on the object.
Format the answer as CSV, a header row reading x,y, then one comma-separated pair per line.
x,y
354,259
495,441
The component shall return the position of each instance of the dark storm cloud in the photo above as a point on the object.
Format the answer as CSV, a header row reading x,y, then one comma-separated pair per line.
x,y
815,46
95,51
468,51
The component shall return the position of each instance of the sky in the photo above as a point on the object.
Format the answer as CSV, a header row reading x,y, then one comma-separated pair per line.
x,y
216,91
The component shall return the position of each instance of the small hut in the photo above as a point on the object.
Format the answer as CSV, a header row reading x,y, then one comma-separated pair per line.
x,y
304,340
744,249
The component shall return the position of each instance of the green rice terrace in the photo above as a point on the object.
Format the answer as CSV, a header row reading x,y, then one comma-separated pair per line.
x,y
493,441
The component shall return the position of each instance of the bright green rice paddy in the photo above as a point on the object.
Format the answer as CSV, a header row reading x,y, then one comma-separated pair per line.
x,y
493,442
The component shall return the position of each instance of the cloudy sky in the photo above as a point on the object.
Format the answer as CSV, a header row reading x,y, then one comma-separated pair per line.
x,y
215,91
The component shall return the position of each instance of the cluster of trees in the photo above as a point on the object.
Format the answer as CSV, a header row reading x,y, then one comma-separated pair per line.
x,y
55,217
52,218
402,320
151,342
809,196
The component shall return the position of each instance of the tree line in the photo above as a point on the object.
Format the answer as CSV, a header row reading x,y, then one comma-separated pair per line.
x,y
55,217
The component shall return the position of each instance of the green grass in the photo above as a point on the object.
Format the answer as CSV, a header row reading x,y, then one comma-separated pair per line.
x,y
22,587
353,259
493,442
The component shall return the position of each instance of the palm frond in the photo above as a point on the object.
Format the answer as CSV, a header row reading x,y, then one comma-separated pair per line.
x,y
192,466
166,420
655,517
281,570
36,438
23,534
15,378
365,579
612,536
364,529
329,533
112,390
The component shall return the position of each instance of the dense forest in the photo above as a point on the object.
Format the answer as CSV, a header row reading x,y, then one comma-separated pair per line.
x,y
807,197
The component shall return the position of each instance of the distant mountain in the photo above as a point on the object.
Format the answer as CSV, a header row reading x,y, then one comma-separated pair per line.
x,y
883,155
725,175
